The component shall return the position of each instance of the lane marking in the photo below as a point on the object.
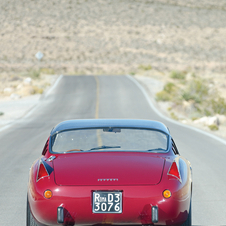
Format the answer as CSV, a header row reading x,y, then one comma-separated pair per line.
x,y
54,86
99,140
97,97
168,119
30,112
6,127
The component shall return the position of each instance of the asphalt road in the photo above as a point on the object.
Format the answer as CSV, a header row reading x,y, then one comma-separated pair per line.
x,y
105,97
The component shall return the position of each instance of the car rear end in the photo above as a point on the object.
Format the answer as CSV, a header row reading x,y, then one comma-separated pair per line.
x,y
154,197
110,172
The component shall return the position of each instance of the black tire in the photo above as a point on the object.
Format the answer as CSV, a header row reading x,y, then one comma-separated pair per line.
x,y
189,219
30,221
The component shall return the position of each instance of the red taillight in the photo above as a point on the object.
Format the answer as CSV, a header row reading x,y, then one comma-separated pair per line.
x,y
173,171
42,172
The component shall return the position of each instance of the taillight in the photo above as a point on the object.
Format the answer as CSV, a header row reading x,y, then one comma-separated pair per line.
x,y
42,171
174,171
166,194
48,194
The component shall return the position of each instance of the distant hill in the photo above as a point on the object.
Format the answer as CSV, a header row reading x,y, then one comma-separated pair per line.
x,y
112,36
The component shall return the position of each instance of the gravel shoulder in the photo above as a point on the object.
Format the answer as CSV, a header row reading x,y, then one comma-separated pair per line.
x,y
113,37
14,107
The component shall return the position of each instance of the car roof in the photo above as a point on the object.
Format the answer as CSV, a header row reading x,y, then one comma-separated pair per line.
x,y
95,123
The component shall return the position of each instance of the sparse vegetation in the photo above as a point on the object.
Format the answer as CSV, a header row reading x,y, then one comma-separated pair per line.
x,y
178,75
145,67
29,83
1,113
194,97
173,116
213,127
196,90
168,92
37,90
218,105
34,74
47,71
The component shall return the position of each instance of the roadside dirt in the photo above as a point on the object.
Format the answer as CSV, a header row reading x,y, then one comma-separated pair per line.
x,y
113,37
20,94
153,84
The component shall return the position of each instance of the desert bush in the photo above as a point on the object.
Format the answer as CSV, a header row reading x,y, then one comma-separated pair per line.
x,y
173,116
168,93
37,90
218,105
1,113
178,75
197,90
170,88
213,127
145,67
163,96
35,74
48,71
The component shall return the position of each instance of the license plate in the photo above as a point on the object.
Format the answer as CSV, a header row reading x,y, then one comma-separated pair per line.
x,y
107,202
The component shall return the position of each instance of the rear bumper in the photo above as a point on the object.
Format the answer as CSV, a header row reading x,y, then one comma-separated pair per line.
x,y
137,206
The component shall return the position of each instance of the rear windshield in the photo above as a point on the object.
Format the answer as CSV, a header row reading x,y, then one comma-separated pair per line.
x,y
110,139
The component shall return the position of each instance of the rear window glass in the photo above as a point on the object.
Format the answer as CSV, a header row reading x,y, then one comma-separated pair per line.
x,y
110,139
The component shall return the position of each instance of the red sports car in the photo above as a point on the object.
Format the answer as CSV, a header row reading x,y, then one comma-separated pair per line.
x,y
110,171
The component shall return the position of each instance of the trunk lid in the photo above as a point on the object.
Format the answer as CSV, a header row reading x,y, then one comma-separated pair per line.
x,y
110,168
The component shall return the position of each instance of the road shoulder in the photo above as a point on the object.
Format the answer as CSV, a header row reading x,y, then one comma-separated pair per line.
x,y
14,109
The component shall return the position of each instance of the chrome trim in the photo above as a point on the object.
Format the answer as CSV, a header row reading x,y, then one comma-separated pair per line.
x,y
41,162
154,214
176,160
60,215
51,158
108,179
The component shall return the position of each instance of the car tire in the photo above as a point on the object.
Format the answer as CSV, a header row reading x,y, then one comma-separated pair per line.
x,y
188,221
30,221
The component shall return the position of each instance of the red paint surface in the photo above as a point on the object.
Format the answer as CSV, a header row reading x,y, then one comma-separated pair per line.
x,y
127,168
142,177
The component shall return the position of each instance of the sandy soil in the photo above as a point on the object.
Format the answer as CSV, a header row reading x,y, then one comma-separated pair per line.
x,y
113,37
21,96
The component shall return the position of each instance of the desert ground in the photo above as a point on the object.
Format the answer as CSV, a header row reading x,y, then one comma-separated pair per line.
x,y
113,37
143,38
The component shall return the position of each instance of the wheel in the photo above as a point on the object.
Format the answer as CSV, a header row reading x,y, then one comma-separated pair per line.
x,y
30,221
188,221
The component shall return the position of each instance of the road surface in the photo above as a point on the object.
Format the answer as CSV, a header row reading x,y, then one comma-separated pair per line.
x,y
105,97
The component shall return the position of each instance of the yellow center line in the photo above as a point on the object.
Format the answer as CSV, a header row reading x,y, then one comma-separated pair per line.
x,y
99,140
97,97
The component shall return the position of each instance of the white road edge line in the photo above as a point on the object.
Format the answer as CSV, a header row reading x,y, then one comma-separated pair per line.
x,y
32,109
30,112
168,119
54,86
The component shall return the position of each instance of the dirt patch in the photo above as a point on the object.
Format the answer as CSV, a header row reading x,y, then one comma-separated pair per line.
x,y
18,94
113,37
18,86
